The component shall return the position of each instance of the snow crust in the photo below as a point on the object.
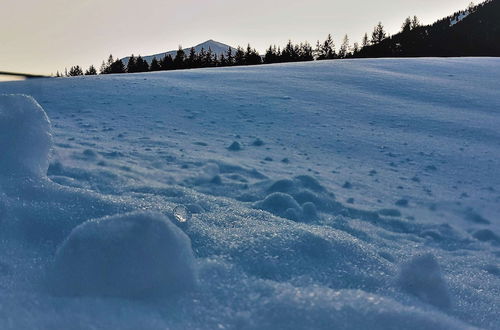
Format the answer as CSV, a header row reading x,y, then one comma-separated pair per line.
x,y
370,200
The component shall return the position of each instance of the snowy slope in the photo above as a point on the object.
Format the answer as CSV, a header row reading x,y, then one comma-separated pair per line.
x,y
345,194
216,47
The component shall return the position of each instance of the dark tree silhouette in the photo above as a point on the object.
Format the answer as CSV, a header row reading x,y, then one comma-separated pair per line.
x,y
155,65
132,64
167,63
91,71
179,60
378,34
239,57
75,71
229,56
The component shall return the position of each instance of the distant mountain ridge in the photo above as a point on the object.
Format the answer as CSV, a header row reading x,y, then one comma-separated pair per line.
x,y
216,47
471,32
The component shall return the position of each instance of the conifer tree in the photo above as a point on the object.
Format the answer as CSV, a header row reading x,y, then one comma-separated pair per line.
x,y
208,60
191,59
271,55
378,34
407,25
167,63
344,48
155,66
355,48
229,56
117,67
305,52
132,64
179,60
75,71
327,49
142,65
365,42
91,71
239,57
252,57
106,66
222,60
415,22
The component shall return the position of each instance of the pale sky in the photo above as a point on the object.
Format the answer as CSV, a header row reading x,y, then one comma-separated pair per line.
x,y
42,36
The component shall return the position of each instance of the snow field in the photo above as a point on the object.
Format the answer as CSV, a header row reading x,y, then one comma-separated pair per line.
x,y
369,226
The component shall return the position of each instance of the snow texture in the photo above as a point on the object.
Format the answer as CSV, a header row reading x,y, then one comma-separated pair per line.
x,y
364,194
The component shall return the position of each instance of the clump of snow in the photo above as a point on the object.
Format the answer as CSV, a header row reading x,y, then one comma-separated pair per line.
x,y
235,146
460,17
25,137
422,278
279,204
133,255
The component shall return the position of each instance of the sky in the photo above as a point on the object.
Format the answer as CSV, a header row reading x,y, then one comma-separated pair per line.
x,y
41,37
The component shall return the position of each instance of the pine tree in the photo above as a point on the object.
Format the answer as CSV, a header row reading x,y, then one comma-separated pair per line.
x,y
167,63
117,67
355,48
407,25
239,57
191,60
222,60
208,60
305,52
132,64
327,49
75,71
415,22
344,48
378,34
155,66
229,56
91,71
179,60
271,55
142,64
365,42
290,53
252,57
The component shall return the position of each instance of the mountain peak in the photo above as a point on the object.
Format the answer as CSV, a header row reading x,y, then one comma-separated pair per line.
x,y
216,47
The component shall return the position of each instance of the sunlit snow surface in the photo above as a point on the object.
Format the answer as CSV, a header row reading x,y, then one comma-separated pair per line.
x,y
329,195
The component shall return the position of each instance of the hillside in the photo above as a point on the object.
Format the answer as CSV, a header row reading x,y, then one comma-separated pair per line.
x,y
217,48
353,194
474,32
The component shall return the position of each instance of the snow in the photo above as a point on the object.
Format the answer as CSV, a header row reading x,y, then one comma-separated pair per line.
x,y
25,137
370,201
131,255
460,17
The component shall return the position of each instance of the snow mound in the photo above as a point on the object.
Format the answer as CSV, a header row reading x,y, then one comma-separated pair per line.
x,y
422,278
25,137
135,255
324,308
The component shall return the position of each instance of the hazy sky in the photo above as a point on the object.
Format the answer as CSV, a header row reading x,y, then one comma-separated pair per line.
x,y
42,36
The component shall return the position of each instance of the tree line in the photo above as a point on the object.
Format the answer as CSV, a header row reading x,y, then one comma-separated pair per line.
x,y
291,52
406,42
